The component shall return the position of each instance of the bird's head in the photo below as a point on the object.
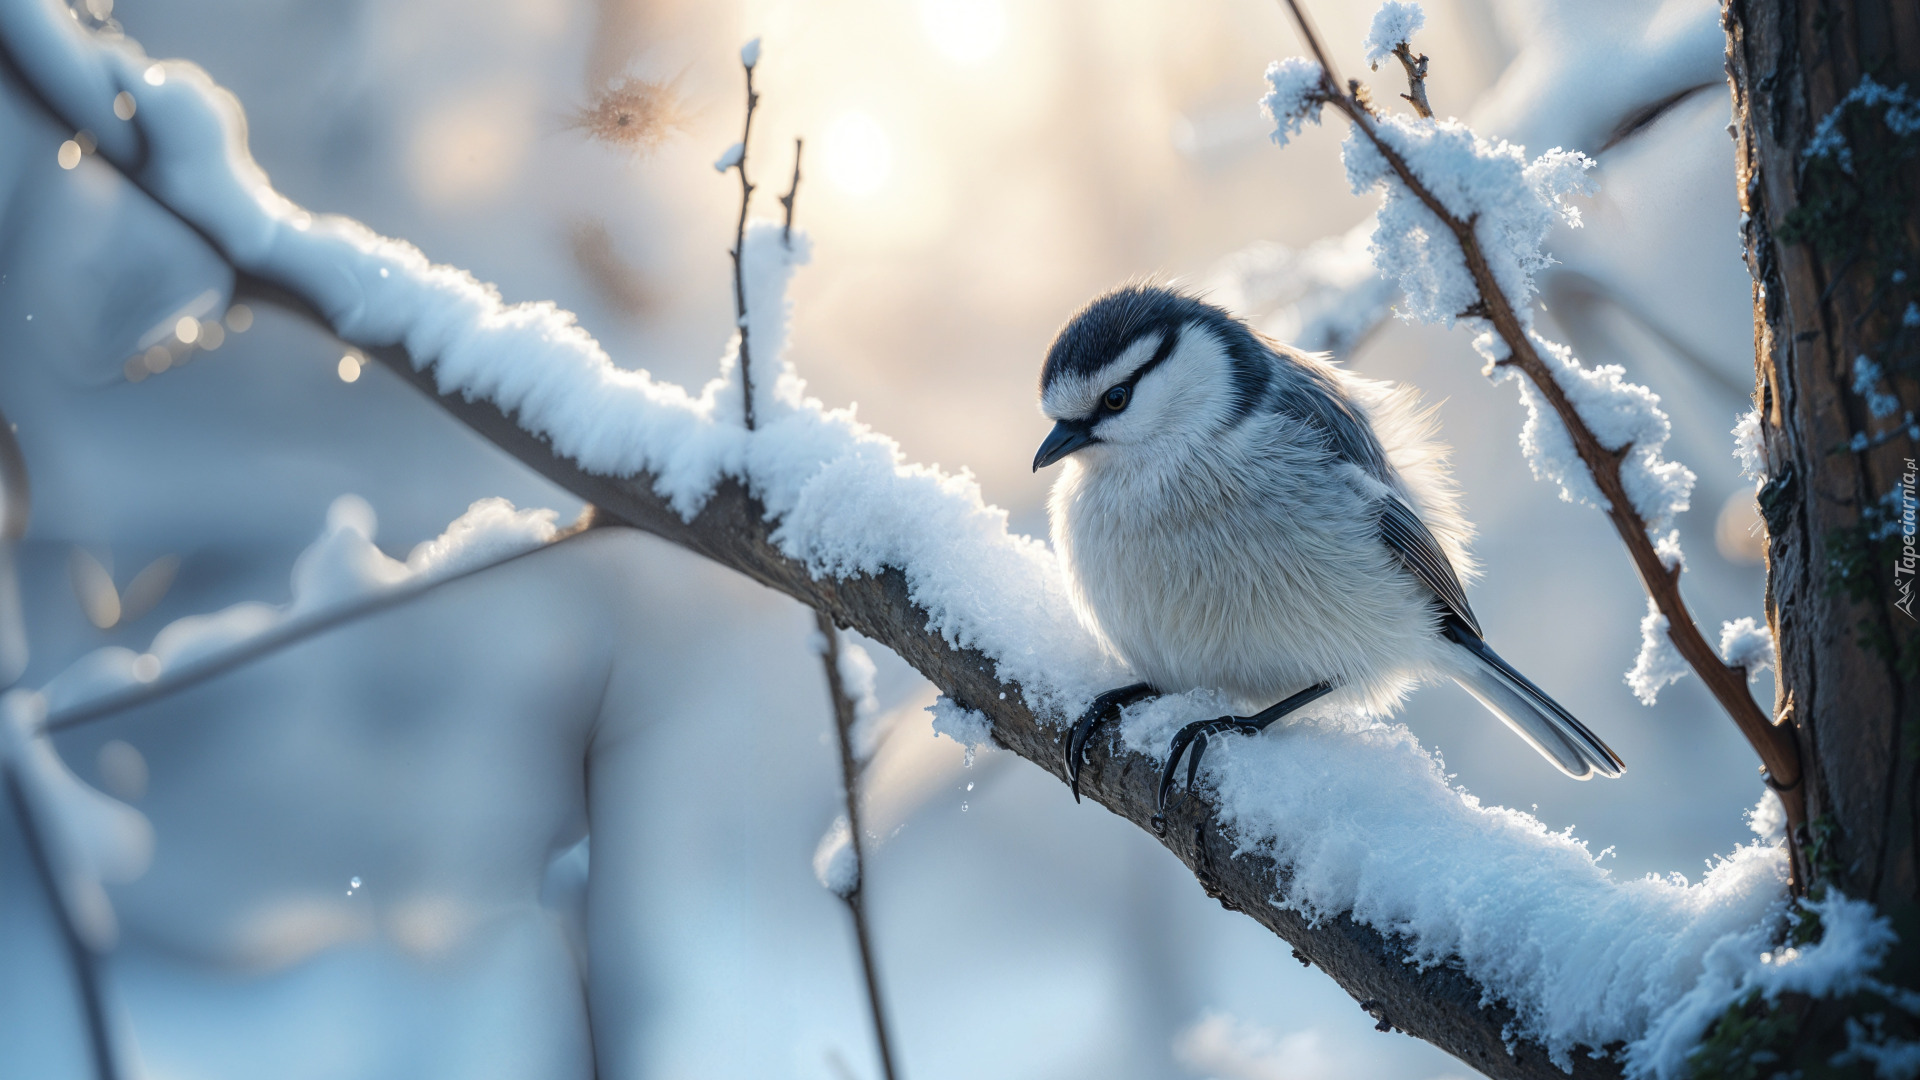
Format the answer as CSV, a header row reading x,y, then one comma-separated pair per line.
x,y
1148,368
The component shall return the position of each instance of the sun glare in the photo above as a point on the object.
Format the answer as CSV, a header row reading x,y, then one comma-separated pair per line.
x,y
965,31
859,156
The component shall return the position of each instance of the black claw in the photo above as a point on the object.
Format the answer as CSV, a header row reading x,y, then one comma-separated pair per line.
x,y
1105,707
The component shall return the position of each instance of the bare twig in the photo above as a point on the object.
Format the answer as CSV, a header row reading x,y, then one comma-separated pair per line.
x,y
739,250
793,189
1778,752
86,962
1416,79
851,766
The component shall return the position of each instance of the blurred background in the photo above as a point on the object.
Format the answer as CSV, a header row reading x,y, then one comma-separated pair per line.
x,y
974,171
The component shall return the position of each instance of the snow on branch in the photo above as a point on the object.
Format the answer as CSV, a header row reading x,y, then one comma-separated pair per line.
x,y
1473,927
1460,225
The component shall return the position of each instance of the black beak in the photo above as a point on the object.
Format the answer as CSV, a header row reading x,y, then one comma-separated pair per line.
x,y
1066,437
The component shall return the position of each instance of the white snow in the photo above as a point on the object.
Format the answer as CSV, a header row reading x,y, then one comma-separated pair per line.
x,y
342,566
834,862
1325,298
750,54
1295,94
91,840
1901,115
967,727
1658,662
1393,26
729,157
1745,643
1866,384
1364,818
1749,449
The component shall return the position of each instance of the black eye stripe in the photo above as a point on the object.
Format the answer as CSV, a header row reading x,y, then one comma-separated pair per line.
x,y
1167,345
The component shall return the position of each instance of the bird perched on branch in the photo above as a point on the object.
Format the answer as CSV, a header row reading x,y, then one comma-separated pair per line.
x,y
1237,515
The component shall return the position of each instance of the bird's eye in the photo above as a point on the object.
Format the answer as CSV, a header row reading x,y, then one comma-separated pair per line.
x,y
1116,398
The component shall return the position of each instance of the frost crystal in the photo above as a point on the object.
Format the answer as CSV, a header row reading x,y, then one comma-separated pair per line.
x,y
1745,643
1902,117
1748,448
1393,25
1297,91
1659,663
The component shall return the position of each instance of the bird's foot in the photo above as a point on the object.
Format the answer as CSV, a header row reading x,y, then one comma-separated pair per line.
x,y
1194,735
1105,707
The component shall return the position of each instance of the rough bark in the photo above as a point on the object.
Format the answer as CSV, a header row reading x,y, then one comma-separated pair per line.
x,y
1824,247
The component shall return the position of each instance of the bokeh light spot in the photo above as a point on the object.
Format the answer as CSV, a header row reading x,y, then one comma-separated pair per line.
x,y
239,318
964,31
124,105
187,329
69,155
349,368
859,156
156,75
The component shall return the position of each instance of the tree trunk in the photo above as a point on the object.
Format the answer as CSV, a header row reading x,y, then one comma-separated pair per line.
x,y
1831,240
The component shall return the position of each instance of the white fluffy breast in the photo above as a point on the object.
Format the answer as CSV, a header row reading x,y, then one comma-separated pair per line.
x,y
1252,563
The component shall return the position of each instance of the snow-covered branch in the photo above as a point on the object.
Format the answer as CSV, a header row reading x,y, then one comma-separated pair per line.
x,y
1495,206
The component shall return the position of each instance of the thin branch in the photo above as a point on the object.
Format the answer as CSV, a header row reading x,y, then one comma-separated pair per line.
x,y
793,190
844,716
1416,79
739,251
1774,743
85,962
266,644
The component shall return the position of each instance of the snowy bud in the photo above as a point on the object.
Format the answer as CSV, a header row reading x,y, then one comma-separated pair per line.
x,y
1393,26
1297,90
730,157
750,53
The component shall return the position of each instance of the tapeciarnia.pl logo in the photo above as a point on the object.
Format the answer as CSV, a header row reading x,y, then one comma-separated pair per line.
x,y
1909,560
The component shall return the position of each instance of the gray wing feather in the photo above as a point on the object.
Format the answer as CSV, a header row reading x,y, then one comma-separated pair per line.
x,y
1409,538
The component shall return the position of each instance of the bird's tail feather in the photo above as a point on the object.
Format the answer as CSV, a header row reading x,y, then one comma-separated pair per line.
x,y
1528,710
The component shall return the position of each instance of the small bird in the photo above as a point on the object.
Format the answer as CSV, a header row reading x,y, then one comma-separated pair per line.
x,y
1238,515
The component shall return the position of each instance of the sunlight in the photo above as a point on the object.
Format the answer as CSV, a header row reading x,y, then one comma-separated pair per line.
x,y
965,31
859,156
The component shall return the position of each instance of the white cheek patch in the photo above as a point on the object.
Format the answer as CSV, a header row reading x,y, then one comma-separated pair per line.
x,y
1072,397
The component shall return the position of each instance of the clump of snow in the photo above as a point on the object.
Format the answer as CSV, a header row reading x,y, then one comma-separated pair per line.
x,y
967,727
1901,115
1745,643
856,670
730,157
1749,448
1854,940
1866,384
835,864
1393,26
1515,202
750,54
1296,89
91,840
1658,663
1768,818
1618,413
